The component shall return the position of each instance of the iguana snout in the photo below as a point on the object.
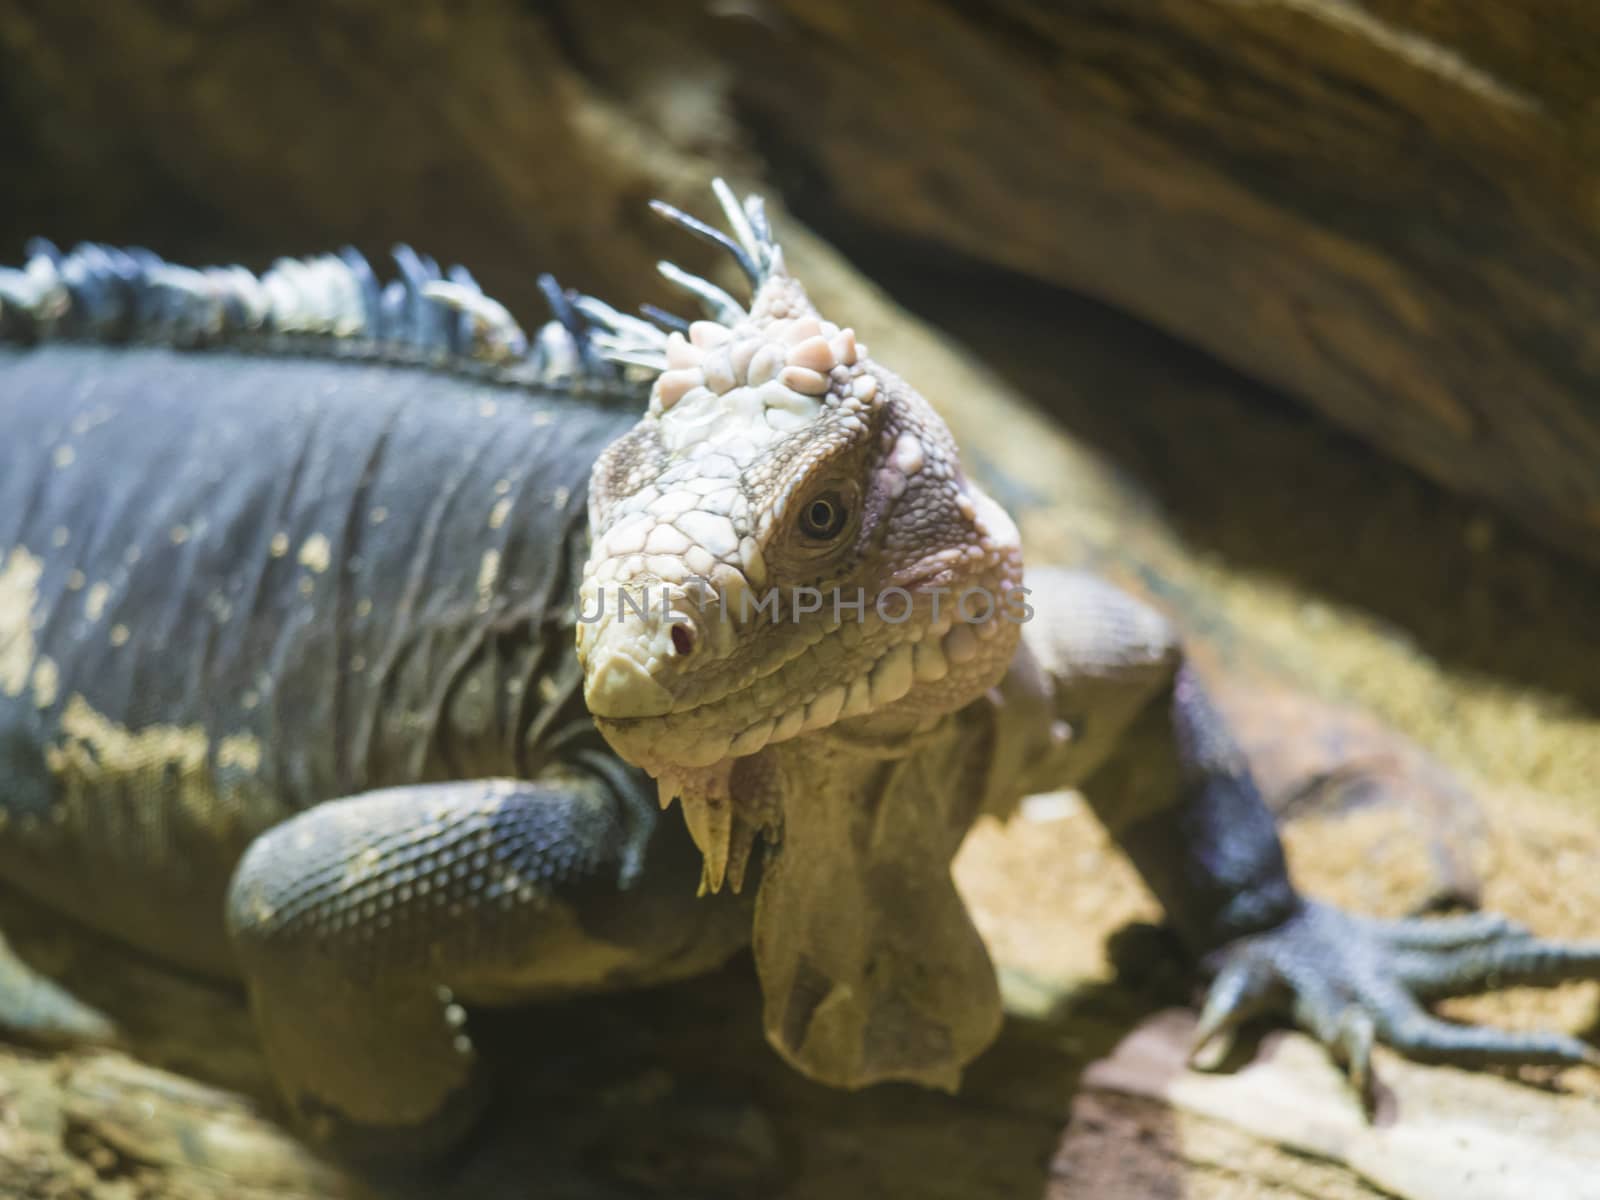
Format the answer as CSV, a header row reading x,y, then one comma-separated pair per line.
x,y
644,631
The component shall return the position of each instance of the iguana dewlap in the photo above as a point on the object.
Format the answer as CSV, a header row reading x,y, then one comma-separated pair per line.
x,y
315,670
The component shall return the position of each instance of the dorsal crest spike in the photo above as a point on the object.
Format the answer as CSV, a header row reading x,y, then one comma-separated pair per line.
x,y
330,305
626,340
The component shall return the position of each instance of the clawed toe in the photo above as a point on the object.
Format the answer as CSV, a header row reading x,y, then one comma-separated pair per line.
x,y
1506,962
1353,982
1441,933
1426,1038
1352,1050
1243,989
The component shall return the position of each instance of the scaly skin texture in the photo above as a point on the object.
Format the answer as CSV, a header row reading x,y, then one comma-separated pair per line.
x,y
776,456
299,623
294,654
200,650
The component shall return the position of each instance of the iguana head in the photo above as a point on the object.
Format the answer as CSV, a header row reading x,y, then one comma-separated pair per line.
x,y
785,553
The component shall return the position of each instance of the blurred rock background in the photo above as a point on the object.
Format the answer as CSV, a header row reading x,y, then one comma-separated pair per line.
x,y
1279,310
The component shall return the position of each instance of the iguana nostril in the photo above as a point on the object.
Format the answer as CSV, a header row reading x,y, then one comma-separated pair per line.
x,y
682,640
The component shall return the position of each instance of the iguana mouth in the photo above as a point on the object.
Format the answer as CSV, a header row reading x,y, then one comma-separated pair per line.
x,y
696,736
727,800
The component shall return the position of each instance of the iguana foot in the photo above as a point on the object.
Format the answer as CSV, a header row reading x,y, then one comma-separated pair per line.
x,y
40,1010
1352,981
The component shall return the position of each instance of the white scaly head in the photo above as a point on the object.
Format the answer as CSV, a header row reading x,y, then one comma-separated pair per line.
x,y
780,551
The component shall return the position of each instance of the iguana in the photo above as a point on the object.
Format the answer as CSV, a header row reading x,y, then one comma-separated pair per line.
x,y
348,641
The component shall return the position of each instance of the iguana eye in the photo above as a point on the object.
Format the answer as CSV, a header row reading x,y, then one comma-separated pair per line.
x,y
823,518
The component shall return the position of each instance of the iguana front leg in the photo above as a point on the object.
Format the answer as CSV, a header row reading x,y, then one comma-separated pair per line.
x,y
364,925
1162,773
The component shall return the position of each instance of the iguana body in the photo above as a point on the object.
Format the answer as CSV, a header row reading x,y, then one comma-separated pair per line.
x,y
293,674
198,651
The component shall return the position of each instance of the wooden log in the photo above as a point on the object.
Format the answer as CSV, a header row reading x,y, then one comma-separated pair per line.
x,y
1385,208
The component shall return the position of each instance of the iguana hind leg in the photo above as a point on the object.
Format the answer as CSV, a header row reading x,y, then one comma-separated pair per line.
x,y
367,926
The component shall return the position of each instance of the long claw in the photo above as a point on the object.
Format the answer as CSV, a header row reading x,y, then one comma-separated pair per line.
x,y
1352,1047
1241,990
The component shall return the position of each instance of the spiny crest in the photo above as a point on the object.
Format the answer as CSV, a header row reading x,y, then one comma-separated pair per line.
x,y
330,304
743,377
